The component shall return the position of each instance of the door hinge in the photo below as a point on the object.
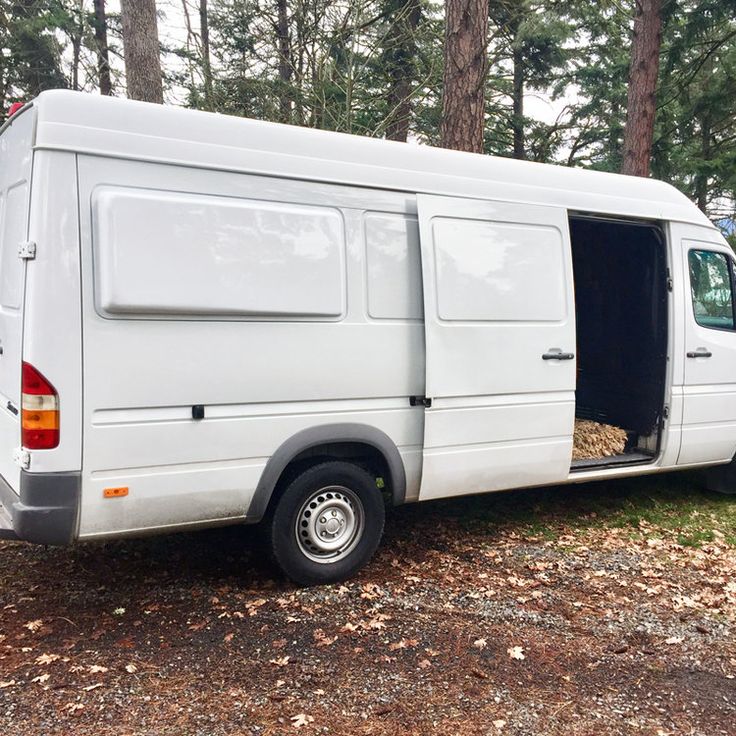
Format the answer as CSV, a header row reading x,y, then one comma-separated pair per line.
x,y
27,250
420,401
666,412
669,280
22,457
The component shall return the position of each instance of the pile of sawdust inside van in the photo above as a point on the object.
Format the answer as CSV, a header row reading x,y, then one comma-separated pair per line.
x,y
592,440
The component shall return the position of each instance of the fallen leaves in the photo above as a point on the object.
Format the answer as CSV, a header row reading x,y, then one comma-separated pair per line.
x,y
480,643
370,591
516,653
301,719
253,606
321,639
280,661
44,659
33,626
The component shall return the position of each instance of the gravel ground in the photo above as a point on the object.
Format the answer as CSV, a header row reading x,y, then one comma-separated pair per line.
x,y
544,619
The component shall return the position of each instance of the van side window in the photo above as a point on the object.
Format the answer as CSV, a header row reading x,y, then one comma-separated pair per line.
x,y
712,289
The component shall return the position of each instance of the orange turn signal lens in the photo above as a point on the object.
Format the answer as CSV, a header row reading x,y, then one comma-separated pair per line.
x,y
115,492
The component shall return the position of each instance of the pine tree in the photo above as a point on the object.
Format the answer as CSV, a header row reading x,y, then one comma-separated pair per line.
x,y
142,54
466,38
641,107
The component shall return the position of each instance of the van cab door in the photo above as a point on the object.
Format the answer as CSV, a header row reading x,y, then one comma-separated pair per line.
x,y
500,343
709,387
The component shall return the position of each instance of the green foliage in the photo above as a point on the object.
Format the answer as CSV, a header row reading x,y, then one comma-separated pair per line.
x,y
30,53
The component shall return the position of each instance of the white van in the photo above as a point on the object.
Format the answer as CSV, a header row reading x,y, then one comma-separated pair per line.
x,y
207,320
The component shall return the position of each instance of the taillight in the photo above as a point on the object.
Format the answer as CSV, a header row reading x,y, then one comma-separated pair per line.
x,y
40,411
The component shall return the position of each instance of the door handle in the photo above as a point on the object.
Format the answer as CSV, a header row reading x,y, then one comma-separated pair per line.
x,y
700,353
558,356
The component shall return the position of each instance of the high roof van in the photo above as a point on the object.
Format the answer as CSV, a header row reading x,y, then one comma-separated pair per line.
x,y
206,320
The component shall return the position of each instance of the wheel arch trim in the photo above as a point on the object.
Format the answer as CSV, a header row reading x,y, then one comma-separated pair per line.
x,y
327,434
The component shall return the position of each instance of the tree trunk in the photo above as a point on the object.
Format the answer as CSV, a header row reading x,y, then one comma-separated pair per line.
x,y
103,53
142,55
76,52
466,38
404,17
204,29
517,122
285,65
645,48
701,179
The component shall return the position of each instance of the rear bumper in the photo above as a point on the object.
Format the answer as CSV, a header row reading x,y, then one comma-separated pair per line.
x,y
46,510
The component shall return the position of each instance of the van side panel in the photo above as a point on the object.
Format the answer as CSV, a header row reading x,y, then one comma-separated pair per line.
x,y
262,369
53,320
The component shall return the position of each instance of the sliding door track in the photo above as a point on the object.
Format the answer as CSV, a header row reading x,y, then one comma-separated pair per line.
x,y
629,458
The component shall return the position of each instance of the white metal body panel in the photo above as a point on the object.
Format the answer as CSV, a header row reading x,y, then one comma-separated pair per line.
x,y
501,415
16,155
709,384
393,263
261,379
169,253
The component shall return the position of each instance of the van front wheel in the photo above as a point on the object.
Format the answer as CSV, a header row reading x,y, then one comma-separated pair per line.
x,y
327,523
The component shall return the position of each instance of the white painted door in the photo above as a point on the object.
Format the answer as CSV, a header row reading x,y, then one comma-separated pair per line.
x,y
500,340
709,391
16,155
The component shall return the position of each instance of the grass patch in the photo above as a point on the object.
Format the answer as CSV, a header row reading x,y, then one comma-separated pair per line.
x,y
673,502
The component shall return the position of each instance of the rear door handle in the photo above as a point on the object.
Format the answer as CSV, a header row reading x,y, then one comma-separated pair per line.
x,y
558,356
700,354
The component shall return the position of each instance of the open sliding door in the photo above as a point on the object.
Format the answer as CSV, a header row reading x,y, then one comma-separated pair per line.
x,y
500,338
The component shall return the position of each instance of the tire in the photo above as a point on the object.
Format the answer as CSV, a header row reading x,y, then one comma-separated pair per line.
x,y
720,478
327,523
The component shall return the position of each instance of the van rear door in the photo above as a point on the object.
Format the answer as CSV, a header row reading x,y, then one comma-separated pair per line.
x,y
16,155
500,338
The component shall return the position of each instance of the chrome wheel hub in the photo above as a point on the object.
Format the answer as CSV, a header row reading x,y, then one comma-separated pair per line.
x,y
329,524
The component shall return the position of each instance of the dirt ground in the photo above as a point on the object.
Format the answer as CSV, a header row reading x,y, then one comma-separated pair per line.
x,y
597,609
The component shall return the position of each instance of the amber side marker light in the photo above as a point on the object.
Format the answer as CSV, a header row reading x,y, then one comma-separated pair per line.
x,y
115,492
39,410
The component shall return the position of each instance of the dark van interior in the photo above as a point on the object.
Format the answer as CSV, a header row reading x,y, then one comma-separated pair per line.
x,y
621,282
